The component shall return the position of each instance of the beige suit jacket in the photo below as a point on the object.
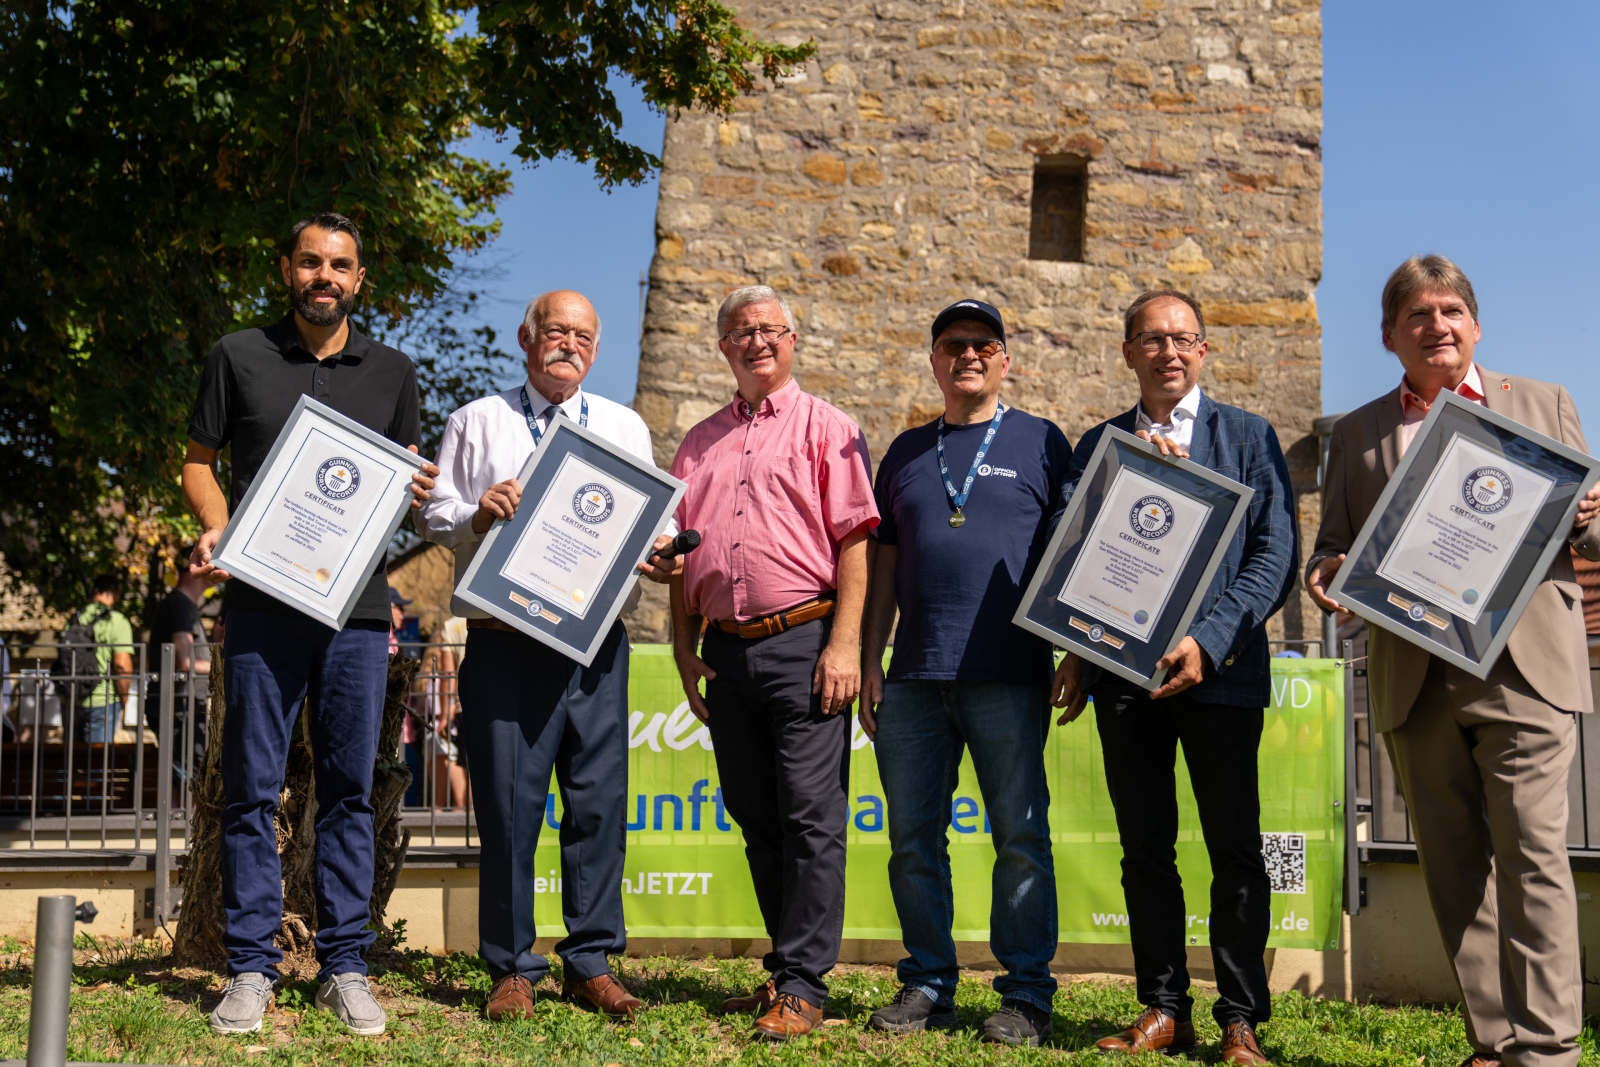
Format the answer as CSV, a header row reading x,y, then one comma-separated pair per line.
x,y
1548,646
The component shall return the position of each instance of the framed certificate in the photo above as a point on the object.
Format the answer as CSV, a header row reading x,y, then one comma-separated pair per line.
x,y
560,569
319,515
1132,557
1464,532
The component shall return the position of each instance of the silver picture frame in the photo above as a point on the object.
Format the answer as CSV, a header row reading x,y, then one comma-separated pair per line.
x,y
1474,646
327,601
1100,640
485,587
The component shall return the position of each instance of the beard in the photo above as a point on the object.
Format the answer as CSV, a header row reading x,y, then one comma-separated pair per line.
x,y
318,315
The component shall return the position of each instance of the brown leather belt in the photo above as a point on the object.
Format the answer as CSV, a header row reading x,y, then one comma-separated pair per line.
x,y
820,608
491,624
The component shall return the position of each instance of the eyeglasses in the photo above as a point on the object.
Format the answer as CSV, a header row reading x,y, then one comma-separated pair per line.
x,y
985,347
746,337
1153,343
582,338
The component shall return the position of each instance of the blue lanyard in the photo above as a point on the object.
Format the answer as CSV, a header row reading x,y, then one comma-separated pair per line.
x,y
960,499
533,423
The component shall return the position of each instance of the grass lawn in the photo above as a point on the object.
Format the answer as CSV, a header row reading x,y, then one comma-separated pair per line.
x,y
130,1004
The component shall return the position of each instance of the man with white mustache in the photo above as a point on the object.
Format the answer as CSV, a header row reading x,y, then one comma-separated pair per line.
x,y
526,708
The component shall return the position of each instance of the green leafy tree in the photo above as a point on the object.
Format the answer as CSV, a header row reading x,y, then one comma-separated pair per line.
x,y
154,152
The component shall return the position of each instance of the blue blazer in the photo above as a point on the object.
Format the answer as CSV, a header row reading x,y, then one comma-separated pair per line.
x,y
1259,570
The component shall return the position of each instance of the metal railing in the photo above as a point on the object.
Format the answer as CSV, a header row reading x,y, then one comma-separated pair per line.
x,y
58,780
441,795
1377,823
78,751
82,758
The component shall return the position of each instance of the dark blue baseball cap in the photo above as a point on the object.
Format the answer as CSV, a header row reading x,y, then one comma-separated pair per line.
x,y
976,310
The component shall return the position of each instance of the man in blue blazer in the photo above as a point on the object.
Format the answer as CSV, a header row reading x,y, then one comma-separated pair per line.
x,y
1212,700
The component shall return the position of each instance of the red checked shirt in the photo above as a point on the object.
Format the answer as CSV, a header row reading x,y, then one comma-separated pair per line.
x,y
1414,409
773,492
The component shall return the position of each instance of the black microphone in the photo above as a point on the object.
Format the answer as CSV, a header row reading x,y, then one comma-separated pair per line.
x,y
685,542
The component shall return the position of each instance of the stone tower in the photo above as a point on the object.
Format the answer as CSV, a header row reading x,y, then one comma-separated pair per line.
x,y
1053,157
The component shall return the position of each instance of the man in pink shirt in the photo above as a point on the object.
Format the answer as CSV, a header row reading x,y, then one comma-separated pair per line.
x,y
780,488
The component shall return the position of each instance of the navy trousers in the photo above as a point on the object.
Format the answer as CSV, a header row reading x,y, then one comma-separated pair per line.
x,y
785,770
272,663
528,710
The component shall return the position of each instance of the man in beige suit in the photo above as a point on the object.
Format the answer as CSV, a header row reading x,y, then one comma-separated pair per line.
x,y
1482,764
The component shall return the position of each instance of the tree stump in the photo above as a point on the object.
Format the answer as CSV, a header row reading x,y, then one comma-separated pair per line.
x,y
198,939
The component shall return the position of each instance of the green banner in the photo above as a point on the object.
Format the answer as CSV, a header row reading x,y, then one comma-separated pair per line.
x,y
686,874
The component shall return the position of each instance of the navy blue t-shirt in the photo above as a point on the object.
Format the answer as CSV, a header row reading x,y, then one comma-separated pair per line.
x,y
958,588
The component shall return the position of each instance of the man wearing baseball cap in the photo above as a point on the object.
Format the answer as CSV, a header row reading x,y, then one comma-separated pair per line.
x,y
965,503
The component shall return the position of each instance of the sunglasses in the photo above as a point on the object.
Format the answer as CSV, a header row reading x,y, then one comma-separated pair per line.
x,y
955,347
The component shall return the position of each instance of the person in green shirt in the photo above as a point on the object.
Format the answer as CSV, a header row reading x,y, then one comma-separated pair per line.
x,y
101,709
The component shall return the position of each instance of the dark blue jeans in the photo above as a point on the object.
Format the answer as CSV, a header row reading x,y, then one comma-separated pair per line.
x,y
272,665
922,729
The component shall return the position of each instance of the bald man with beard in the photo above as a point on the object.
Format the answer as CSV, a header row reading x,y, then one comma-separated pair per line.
x,y
526,708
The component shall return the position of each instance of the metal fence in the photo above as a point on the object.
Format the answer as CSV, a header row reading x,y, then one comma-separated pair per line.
x,y
81,757
82,770
1377,825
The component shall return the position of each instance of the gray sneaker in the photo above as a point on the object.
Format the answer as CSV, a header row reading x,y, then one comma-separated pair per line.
x,y
350,998
246,997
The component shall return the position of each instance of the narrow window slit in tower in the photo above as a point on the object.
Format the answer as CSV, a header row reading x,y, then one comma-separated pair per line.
x,y
1060,194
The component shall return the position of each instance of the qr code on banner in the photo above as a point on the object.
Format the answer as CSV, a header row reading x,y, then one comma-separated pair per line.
x,y
1286,861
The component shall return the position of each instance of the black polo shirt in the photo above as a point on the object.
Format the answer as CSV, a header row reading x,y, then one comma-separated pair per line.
x,y
252,381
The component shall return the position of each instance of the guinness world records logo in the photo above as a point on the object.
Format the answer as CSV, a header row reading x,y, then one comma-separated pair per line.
x,y
1151,517
338,478
593,504
1487,490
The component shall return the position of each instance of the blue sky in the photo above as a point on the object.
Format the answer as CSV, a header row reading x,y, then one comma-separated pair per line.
x,y
1462,127
1466,128
560,231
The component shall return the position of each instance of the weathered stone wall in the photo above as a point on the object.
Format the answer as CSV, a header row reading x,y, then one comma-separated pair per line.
x,y
893,176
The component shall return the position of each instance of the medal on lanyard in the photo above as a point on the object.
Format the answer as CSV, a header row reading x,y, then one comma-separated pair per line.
x,y
533,423
959,499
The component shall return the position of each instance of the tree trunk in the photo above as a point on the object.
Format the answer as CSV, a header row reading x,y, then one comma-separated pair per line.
x,y
198,940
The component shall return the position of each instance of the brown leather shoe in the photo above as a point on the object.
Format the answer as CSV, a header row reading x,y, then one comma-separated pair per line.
x,y
1481,1059
511,997
761,1000
1154,1031
1239,1046
790,1016
604,994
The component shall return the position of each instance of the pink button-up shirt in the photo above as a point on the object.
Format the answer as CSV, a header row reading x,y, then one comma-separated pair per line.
x,y
772,493
1414,409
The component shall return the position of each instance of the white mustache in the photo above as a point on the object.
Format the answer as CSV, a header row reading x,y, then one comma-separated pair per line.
x,y
561,355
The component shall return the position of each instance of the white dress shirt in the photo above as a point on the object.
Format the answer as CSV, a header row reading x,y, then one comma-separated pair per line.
x,y
487,442
1181,428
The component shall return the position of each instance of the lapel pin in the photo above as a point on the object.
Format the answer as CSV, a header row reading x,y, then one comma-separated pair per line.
x,y
1506,386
